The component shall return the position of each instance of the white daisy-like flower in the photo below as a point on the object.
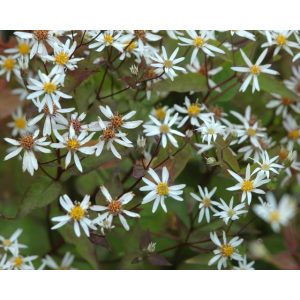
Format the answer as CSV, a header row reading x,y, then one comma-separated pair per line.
x,y
48,87
11,244
160,189
267,164
206,204
74,144
65,264
76,120
293,132
29,144
115,208
243,33
283,105
200,41
276,215
20,125
39,40
164,129
53,121
109,136
244,264
254,70
229,212
227,250
280,39
293,83
77,213
110,38
118,121
19,262
168,65
22,50
248,185
211,129
8,65
193,112
62,57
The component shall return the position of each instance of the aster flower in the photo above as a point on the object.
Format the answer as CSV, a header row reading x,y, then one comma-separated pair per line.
x,y
211,129
77,213
293,83
206,204
115,208
248,185
19,262
230,212
254,70
74,144
293,132
22,50
47,87
276,215
8,65
29,144
164,128
11,244
20,125
227,250
160,189
110,38
168,65
65,264
244,264
283,105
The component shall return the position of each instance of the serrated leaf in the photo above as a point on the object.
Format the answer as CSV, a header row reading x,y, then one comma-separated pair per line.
x,y
39,194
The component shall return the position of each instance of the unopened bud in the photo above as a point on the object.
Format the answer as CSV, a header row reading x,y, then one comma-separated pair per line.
x,y
189,133
211,160
141,142
134,69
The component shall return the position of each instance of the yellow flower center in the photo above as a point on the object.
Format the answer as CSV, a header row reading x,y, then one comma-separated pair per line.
x,y
265,167
164,128
206,202
160,113
62,58
108,38
198,42
251,131
274,216
9,64
115,207
162,189
294,134
168,63
211,131
247,185
194,109
24,48
131,46
49,87
227,250
77,212
18,261
6,243
231,213
281,40
255,70
73,144
27,142
21,123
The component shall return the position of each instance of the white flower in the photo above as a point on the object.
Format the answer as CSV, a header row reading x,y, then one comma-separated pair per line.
x,y
293,132
267,165
248,185
74,144
19,262
244,265
211,129
226,250
8,65
109,136
164,128
76,122
168,65
254,70
230,212
104,225
193,112
48,88
160,189
283,104
20,125
77,213
206,203
294,82
115,208
199,41
109,38
39,40
62,57
29,143
22,50
11,244
65,264
276,215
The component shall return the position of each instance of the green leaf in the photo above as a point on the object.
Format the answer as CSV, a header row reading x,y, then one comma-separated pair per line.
x,y
39,194
182,83
272,85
